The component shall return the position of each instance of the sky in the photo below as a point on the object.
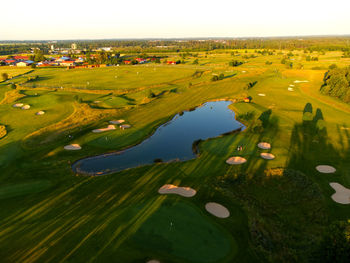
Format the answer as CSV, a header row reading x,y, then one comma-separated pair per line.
x,y
84,19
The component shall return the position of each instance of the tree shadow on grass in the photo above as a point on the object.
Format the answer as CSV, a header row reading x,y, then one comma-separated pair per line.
x,y
311,145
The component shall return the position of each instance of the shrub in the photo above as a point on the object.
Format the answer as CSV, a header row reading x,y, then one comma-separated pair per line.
x,y
235,63
4,76
215,78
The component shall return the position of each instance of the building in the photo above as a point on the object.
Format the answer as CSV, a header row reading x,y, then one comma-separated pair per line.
x,y
67,63
25,63
74,46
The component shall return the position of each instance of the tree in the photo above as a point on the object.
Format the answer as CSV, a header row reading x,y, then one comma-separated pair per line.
x,y
215,78
195,62
235,63
4,76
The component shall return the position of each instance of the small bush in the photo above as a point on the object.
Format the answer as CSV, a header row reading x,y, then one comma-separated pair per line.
x,y
4,76
215,78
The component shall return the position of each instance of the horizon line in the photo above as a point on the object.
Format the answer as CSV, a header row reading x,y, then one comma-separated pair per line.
x,y
178,38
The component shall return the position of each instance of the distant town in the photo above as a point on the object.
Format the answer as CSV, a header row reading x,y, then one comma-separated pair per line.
x,y
77,58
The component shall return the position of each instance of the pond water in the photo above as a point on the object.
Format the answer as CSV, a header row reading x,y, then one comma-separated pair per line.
x,y
172,141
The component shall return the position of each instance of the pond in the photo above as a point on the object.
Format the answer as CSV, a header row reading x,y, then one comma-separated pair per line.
x,y
172,141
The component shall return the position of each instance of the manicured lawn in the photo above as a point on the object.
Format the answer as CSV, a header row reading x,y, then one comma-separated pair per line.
x,y
279,208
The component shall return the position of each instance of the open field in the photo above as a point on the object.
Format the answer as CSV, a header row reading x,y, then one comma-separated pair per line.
x,y
278,208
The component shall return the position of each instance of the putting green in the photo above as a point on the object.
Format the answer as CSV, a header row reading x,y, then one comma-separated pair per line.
x,y
180,232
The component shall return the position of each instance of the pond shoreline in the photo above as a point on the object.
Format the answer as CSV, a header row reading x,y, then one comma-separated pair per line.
x,y
195,145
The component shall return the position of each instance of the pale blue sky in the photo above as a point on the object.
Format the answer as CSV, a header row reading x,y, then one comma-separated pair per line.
x,y
79,19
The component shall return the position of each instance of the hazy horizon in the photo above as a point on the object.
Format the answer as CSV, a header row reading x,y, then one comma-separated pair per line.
x,y
74,20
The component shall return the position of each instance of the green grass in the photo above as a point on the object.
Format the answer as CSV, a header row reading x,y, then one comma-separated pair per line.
x,y
83,219
14,190
178,227
121,78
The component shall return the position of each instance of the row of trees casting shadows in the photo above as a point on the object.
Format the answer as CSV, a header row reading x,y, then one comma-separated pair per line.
x,y
273,234
276,233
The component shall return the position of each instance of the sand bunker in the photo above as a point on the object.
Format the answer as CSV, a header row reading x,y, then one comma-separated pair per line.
x,y
290,89
117,122
124,126
26,107
261,94
109,128
235,160
173,189
326,169
40,112
300,81
291,85
264,145
17,105
341,195
267,156
217,210
72,147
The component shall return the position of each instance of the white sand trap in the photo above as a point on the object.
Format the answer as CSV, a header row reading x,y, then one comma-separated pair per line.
x,y
264,145
300,81
72,147
290,89
341,195
236,160
173,189
109,128
267,156
117,121
244,71
326,169
261,94
124,126
17,105
217,210
291,85
40,112
97,101
26,107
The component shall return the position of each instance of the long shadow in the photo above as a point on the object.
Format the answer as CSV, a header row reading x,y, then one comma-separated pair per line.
x,y
311,145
